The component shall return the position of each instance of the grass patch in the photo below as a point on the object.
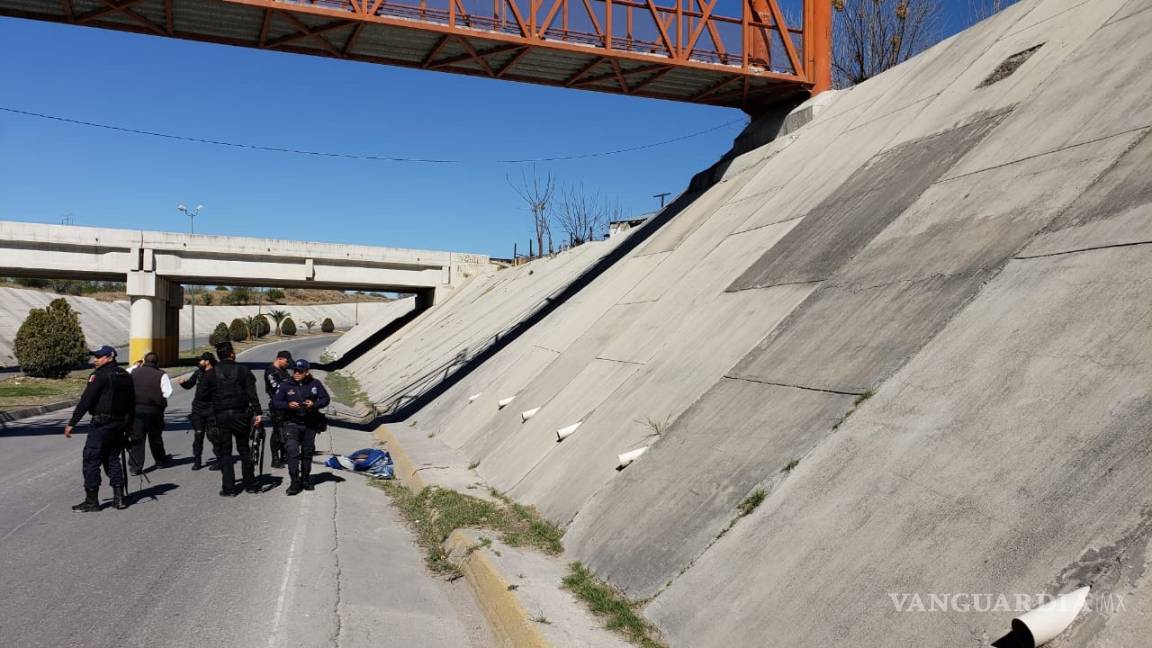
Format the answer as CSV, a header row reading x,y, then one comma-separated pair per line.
x,y
754,499
23,391
618,613
434,513
790,466
344,388
860,398
655,426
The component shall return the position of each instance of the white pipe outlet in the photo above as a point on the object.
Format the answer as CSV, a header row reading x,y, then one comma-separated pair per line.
x,y
565,432
501,404
1046,622
630,456
473,397
524,416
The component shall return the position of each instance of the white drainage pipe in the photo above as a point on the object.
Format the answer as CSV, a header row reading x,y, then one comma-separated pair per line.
x,y
524,416
473,397
565,432
630,456
1046,622
501,404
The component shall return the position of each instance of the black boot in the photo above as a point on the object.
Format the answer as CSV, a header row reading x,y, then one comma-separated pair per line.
x,y
277,458
251,487
306,482
196,465
118,498
295,488
91,501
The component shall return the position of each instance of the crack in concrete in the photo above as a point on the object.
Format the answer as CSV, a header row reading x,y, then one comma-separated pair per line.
x,y
336,605
803,387
1092,248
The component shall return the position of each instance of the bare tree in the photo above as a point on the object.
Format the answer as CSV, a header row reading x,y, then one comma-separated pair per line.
x,y
981,9
871,36
582,215
537,192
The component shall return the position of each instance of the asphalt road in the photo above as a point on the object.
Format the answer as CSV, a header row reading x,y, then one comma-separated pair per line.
x,y
183,566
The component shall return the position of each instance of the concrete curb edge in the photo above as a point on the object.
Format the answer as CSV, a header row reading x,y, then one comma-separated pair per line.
x,y
25,412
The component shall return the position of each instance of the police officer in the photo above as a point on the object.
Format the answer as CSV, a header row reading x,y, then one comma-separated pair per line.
x,y
236,407
301,400
201,416
275,374
109,398
153,387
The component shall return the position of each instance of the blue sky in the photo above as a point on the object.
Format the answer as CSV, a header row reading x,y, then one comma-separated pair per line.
x,y
106,178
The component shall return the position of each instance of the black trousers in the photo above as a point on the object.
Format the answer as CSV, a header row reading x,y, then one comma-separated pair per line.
x,y
149,425
300,442
276,438
233,425
102,450
200,425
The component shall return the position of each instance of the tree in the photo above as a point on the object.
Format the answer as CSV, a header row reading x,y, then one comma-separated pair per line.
x,y
50,342
207,298
981,9
220,335
327,326
309,324
582,215
238,330
275,294
278,316
222,288
870,36
537,192
288,327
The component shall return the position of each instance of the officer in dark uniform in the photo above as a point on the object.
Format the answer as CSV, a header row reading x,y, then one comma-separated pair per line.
x,y
236,408
301,400
109,398
274,375
202,416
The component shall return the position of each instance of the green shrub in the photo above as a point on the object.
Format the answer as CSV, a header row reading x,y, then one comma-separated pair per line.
x,y
288,327
222,288
220,335
238,331
50,342
207,298
275,294
261,327
327,326
238,296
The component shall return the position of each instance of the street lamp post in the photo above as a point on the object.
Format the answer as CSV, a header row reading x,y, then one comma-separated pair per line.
x,y
191,214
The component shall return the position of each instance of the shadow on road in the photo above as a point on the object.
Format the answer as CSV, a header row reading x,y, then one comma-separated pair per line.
x,y
152,493
320,478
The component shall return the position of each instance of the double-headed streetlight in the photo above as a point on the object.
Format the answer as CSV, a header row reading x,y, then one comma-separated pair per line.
x,y
192,214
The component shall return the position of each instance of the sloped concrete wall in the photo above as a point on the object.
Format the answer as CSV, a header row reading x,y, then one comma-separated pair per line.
x,y
107,322
919,324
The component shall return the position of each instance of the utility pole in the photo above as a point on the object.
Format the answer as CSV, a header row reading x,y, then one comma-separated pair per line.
x,y
662,196
191,214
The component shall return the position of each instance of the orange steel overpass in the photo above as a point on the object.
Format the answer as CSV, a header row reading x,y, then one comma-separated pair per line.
x,y
736,53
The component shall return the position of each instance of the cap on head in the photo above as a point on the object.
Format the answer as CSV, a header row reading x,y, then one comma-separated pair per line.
x,y
104,351
285,354
301,365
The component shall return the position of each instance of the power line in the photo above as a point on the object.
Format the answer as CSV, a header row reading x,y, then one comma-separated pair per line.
x,y
359,156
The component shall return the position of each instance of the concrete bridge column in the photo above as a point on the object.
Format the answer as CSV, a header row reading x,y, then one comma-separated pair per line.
x,y
154,323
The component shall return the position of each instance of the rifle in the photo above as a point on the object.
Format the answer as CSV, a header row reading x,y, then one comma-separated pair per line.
x,y
256,444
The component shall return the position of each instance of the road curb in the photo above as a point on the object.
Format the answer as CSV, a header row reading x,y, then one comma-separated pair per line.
x,y
9,416
405,469
495,593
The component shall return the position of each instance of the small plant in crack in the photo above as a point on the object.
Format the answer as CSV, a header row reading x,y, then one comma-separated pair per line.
x,y
474,465
655,426
754,499
790,466
541,619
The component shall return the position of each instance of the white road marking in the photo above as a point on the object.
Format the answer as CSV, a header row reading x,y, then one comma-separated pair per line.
x,y
21,525
289,572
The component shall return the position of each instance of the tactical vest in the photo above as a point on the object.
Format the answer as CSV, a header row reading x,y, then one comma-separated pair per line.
x,y
230,393
118,398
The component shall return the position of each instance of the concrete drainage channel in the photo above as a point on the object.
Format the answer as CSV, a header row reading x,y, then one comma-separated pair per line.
x,y
519,588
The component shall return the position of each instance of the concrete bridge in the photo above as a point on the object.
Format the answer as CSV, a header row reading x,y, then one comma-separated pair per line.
x,y
156,264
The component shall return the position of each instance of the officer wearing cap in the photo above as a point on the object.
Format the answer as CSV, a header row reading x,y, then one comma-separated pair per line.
x,y
110,398
301,399
236,408
274,375
202,415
